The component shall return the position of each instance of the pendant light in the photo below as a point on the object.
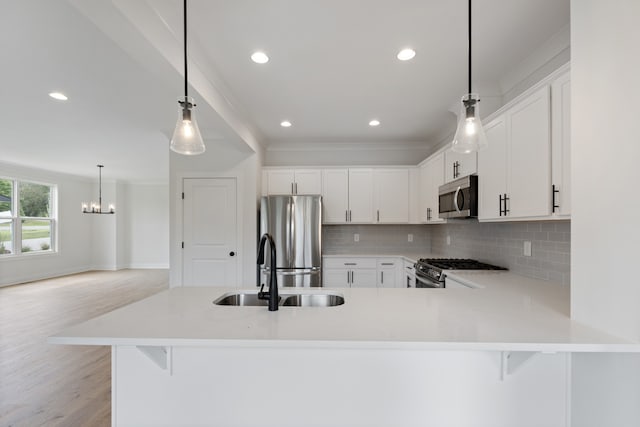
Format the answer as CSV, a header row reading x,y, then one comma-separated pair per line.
x,y
96,208
186,136
470,135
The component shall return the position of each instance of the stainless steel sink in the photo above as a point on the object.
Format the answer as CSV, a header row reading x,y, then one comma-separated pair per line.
x,y
313,300
239,299
286,300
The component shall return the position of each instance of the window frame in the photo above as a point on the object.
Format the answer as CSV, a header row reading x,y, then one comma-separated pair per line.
x,y
16,219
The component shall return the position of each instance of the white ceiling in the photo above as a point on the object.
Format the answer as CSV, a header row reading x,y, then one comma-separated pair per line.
x,y
332,69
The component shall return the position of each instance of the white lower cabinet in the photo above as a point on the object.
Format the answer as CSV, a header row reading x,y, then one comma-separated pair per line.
x,y
349,272
388,272
362,272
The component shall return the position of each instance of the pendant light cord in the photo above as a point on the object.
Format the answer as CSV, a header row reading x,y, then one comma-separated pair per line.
x,y
186,93
469,45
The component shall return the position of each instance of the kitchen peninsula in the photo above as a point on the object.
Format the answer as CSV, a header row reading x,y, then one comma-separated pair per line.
x,y
385,357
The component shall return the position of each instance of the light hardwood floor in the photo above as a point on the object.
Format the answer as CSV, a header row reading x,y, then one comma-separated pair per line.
x,y
44,384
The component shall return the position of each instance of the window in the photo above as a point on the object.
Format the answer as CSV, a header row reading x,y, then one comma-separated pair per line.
x,y
27,217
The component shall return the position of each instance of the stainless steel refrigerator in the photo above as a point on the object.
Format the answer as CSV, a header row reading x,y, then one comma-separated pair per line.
x,y
295,223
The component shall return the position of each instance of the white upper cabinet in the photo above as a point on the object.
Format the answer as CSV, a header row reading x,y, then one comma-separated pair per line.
x,y
561,145
492,170
361,196
308,181
293,181
365,196
391,195
514,172
431,178
335,196
458,165
347,196
529,181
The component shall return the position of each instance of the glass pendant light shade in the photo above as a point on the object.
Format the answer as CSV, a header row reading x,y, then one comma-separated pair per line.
x,y
470,134
186,136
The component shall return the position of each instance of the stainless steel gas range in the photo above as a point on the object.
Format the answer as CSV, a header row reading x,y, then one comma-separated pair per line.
x,y
431,272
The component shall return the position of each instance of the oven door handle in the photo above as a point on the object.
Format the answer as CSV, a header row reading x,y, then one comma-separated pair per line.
x,y
428,282
455,199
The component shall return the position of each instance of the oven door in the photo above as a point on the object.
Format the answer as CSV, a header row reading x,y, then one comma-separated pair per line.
x,y
427,282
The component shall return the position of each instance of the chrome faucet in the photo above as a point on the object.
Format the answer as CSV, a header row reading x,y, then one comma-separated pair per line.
x,y
272,295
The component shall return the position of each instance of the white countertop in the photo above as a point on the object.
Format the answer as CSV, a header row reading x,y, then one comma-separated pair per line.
x,y
509,313
408,256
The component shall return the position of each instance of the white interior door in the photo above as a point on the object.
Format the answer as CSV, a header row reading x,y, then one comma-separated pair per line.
x,y
209,232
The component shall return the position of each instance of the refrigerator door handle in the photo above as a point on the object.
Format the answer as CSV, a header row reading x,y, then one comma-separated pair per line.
x,y
295,272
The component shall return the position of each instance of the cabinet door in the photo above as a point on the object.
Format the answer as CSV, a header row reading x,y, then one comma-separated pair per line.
x,y
336,278
435,168
492,170
388,271
308,181
280,181
391,195
425,189
361,196
529,160
458,165
363,278
561,144
335,196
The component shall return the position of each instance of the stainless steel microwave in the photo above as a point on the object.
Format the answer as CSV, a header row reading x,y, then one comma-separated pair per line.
x,y
459,198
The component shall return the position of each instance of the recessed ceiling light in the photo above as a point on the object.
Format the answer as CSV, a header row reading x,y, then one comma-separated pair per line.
x,y
59,96
285,124
374,123
259,57
406,54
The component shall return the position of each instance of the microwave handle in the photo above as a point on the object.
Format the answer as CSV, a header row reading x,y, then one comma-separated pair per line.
x,y
455,199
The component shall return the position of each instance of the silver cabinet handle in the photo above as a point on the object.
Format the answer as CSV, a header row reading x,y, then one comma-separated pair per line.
x,y
292,188
382,277
378,215
346,216
350,218
352,277
350,263
348,281
386,263
296,187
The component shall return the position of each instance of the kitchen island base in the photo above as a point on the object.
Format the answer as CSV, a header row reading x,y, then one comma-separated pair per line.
x,y
313,386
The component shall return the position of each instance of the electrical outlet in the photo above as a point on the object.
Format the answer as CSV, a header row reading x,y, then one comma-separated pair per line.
x,y
356,237
448,239
410,237
527,248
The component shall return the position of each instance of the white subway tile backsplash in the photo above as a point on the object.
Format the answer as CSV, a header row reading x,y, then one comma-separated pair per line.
x,y
496,243
503,243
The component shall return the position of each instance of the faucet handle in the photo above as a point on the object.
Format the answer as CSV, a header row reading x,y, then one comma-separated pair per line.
x,y
262,294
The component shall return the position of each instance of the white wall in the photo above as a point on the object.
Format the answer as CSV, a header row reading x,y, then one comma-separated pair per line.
x,y
605,231
104,229
222,159
146,208
74,230
137,236
605,150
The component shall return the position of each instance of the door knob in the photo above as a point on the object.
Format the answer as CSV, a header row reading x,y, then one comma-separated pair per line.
x,y
232,253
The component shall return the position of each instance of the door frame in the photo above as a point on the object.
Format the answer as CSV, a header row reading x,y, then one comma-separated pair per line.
x,y
178,225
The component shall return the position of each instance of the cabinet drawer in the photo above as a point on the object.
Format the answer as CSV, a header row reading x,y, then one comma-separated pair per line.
x,y
349,263
388,262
